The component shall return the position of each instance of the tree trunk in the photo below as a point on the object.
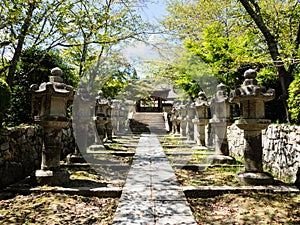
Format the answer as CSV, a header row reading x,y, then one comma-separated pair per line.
x,y
285,76
21,40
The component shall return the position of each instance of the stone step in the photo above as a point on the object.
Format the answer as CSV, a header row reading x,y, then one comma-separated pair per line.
x,y
207,191
103,192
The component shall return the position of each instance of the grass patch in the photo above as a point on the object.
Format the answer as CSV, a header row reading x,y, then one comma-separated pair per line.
x,y
218,176
189,159
118,147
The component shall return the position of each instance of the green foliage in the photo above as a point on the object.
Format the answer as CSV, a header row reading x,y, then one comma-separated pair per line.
x,y
226,56
34,68
83,28
294,100
111,75
268,78
233,36
5,98
117,82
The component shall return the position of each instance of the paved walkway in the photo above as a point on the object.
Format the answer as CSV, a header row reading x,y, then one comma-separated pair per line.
x,y
151,194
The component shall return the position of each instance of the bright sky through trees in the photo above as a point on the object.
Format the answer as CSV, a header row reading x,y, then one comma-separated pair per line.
x,y
139,52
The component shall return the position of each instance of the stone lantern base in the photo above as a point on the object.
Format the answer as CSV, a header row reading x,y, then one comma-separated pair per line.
x,y
75,158
222,159
255,178
221,143
96,147
52,178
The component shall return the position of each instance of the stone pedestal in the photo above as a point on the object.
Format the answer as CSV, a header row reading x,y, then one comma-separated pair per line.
x,y
174,120
82,117
189,122
50,173
115,116
199,131
253,158
221,142
102,120
182,119
201,119
123,120
251,99
221,118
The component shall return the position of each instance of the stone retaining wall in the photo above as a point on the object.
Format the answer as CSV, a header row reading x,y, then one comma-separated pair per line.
x,y
20,151
281,149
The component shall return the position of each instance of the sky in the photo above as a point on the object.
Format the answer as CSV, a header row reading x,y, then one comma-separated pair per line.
x,y
139,52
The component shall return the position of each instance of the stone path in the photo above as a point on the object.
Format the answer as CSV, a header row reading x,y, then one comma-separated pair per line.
x,y
151,194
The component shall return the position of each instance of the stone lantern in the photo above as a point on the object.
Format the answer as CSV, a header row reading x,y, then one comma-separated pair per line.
x,y
182,111
189,121
221,118
251,99
123,119
201,119
108,125
81,119
101,119
115,116
49,107
174,119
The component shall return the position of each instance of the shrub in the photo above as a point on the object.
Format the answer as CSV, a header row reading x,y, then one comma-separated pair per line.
x,y
5,99
294,100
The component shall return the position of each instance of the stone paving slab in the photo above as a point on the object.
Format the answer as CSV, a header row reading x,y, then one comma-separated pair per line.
x,y
175,220
164,208
168,195
151,194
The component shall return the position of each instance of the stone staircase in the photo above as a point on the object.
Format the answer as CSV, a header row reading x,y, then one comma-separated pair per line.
x,y
145,122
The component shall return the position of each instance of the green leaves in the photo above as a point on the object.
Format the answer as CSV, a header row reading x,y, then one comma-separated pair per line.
x,y
294,100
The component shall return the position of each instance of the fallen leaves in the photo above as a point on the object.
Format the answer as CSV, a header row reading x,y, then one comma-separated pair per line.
x,y
247,208
49,208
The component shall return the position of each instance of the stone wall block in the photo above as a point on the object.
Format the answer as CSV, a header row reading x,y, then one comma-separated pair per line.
x,y
30,131
22,139
297,138
292,137
281,149
20,152
11,172
273,132
4,146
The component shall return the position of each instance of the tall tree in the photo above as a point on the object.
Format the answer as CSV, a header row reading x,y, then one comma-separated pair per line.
x,y
87,28
217,30
100,25
278,20
28,24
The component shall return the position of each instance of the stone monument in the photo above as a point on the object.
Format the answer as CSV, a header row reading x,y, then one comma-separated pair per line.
x,y
251,99
49,107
